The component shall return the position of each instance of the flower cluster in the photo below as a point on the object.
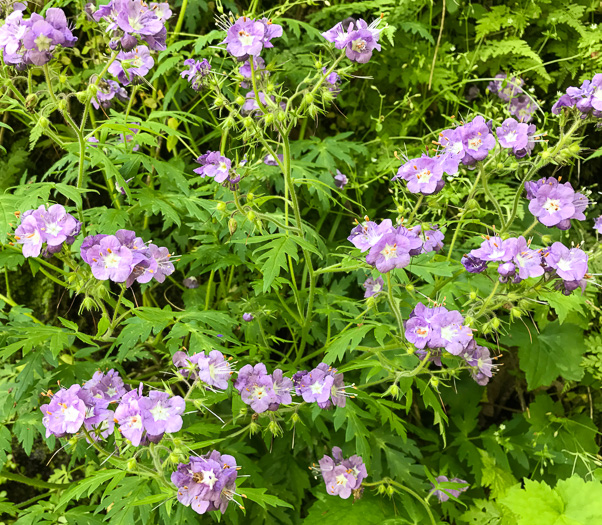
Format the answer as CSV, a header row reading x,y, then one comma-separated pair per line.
x,y
107,91
519,261
139,418
519,137
555,204
342,476
33,41
587,98
214,164
263,391
245,70
132,21
52,226
207,482
510,90
131,64
373,286
438,329
466,144
196,72
389,247
323,385
214,370
123,257
357,38
443,494
247,37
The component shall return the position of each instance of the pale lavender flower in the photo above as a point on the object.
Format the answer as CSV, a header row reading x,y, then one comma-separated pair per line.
x,y
128,416
340,180
162,257
373,286
513,135
107,91
269,160
528,261
197,72
214,370
598,224
191,282
423,175
555,204
443,494
215,165
161,412
256,387
206,483
453,149
247,317
132,64
392,251
332,82
363,41
479,358
245,69
570,264
451,333
342,475
29,235
99,420
473,264
506,88
315,386
245,37
523,108
282,387
364,236
65,413
477,140
493,249
109,259
107,386
339,34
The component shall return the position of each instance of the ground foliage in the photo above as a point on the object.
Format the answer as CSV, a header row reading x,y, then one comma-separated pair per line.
x,y
527,443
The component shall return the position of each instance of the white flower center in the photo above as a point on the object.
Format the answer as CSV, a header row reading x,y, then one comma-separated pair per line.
x,y
159,412
316,388
341,480
564,265
424,176
70,414
53,229
135,422
43,43
423,331
455,148
111,392
259,391
135,24
377,288
209,478
245,38
475,143
448,332
511,136
358,45
111,260
389,251
223,166
137,62
598,94
552,205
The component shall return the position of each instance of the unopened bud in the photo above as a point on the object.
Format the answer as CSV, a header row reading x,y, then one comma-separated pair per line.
x,y
312,110
62,78
251,215
131,464
174,458
221,206
281,116
500,165
516,313
400,209
229,122
270,87
434,382
31,101
250,196
295,418
381,489
318,64
274,428
82,96
62,105
247,122
469,321
410,287
495,323
254,427
92,90
309,98
546,239
240,100
43,122
269,119
545,154
472,295
472,204
128,42
392,391
574,149
390,490
232,225
73,441
219,102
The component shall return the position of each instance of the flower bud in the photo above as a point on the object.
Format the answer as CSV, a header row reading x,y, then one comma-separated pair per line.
x,y
270,87
232,225
309,98
43,122
473,295
295,418
73,441
250,196
221,206
251,215
240,100
219,102
114,45
82,96
495,323
269,119
546,239
575,148
327,96
62,78
545,154
390,491
254,427
500,165
434,382
88,304
62,105
516,313
229,122
392,391
174,458
31,101
400,209
410,287
131,464
275,429
247,122
128,42
92,89
318,64
472,204
381,489
281,116
312,110
469,321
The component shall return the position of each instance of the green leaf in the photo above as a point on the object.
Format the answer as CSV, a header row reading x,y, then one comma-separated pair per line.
x,y
564,304
5,445
346,342
332,510
573,502
556,351
273,258
90,484
262,499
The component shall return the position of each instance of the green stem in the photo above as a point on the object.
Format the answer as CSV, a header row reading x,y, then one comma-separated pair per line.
x,y
393,306
533,225
489,298
33,482
12,303
389,481
416,206
490,196
180,21
116,310
208,293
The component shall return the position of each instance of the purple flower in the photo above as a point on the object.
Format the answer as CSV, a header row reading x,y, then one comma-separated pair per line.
x,y
423,175
191,282
339,34
392,251
282,387
342,475
443,494
477,141
570,265
373,286
493,249
363,41
506,88
161,412
316,386
215,165
196,73
107,386
162,257
65,413
29,235
432,241
131,64
479,358
245,37
450,332
245,69
107,91
247,317
332,82
523,108
555,204
136,18
269,160
128,416
453,149
513,135
340,180
214,370
99,420
473,264
598,224
206,483
364,236
523,152
256,387
109,259
528,261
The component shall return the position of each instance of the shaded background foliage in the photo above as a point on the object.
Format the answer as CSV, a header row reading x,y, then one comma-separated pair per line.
x,y
536,419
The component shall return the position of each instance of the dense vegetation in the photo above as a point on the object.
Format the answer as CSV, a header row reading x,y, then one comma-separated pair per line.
x,y
266,262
